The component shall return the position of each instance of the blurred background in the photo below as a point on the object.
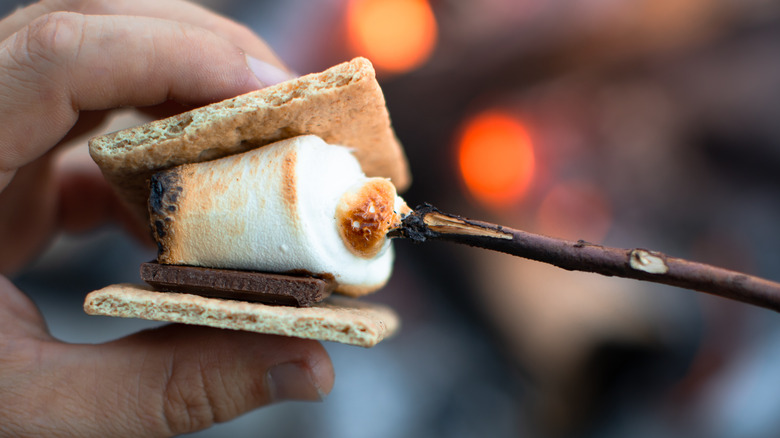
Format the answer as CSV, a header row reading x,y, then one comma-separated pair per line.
x,y
630,123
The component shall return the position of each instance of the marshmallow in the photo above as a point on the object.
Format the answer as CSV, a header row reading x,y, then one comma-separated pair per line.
x,y
295,206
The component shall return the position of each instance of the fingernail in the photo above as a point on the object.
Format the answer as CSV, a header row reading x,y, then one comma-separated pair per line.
x,y
267,74
293,381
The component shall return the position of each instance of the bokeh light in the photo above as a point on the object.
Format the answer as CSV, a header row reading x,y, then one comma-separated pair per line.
x,y
396,35
496,158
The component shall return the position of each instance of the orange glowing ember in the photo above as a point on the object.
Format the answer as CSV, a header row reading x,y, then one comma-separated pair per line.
x,y
396,35
496,158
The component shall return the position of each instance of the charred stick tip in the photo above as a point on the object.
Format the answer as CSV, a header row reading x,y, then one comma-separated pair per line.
x,y
413,226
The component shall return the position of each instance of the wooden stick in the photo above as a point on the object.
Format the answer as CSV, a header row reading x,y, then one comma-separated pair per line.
x,y
428,223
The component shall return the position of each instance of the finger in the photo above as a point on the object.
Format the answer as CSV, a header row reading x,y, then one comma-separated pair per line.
x,y
176,10
19,319
176,380
188,12
65,62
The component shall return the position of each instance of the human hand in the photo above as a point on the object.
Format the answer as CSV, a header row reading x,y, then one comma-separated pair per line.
x,y
60,72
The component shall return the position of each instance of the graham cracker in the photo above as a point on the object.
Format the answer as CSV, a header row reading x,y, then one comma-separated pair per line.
x,y
336,319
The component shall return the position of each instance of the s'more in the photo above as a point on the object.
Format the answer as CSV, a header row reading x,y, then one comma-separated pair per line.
x,y
270,210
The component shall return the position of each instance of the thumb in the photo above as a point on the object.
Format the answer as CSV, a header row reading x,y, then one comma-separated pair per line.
x,y
180,379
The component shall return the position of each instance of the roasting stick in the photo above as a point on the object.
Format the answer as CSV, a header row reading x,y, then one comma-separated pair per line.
x,y
428,223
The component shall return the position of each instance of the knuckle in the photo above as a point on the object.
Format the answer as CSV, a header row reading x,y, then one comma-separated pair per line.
x,y
187,405
51,39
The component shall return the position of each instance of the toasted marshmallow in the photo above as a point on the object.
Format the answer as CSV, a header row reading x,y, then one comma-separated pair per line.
x,y
298,205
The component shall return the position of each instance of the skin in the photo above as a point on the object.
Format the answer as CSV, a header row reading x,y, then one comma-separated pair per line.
x,y
63,66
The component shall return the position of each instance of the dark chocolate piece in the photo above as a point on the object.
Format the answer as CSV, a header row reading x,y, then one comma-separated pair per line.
x,y
285,290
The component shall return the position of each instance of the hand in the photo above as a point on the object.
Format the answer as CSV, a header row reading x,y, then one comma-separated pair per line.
x,y
59,74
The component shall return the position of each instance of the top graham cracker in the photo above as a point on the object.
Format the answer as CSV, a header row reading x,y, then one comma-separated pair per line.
x,y
343,105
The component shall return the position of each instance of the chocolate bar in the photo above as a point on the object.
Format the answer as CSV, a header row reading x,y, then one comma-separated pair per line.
x,y
285,290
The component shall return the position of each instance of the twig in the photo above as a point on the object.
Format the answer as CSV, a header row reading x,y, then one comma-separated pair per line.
x,y
428,223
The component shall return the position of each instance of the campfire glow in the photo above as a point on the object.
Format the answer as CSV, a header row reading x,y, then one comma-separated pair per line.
x,y
396,35
496,158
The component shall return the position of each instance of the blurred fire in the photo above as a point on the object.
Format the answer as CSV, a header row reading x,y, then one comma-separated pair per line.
x,y
496,158
396,35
